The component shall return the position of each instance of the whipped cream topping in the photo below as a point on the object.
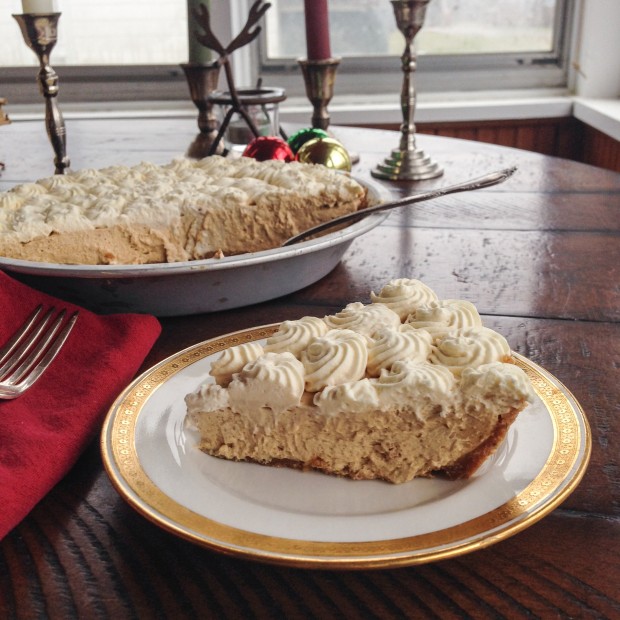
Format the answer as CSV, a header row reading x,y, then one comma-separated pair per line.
x,y
159,196
27,190
404,295
407,381
274,380
337,357
294,336
471,346
355,397
388,345
441,317
363,319
505,384
383,366
216,395
318,180
232,360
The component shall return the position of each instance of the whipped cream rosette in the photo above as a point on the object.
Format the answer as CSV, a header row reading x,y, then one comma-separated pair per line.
x,y
408,381
388,345
363,319
337,357
472,346
274,380
232,360
441,317
294,336
403,296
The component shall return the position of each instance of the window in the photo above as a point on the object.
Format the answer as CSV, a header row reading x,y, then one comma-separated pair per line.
x,y
368,27
116,50
463,45
112,51
115,32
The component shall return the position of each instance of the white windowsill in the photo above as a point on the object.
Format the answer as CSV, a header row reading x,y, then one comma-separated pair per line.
x,y
447,107
602,114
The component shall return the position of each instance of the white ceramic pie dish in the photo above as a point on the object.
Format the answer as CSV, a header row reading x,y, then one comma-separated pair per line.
x,y
193,287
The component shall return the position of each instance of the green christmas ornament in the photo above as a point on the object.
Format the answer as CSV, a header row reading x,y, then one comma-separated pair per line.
x,y
299,138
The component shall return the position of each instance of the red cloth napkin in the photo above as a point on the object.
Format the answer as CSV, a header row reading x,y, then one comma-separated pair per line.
x,y
44,431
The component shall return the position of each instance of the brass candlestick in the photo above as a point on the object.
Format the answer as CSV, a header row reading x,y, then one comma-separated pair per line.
x,y
408,163
40,34
319,78
202,80
4,118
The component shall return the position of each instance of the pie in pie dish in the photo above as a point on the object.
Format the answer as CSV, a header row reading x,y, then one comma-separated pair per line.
x,y
408,385
184,210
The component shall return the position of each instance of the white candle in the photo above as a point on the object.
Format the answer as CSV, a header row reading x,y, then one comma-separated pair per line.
x,y
39,6
198,53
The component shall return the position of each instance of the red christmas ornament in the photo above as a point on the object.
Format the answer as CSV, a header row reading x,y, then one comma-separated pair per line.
x,y
265,148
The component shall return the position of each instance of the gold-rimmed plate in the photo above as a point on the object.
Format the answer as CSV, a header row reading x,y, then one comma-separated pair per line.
x,y
309,519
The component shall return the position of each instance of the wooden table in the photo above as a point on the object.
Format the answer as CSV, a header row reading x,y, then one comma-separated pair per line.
x,y
539,255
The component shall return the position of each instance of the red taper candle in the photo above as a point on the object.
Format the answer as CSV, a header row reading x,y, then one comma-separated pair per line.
x,y
317,29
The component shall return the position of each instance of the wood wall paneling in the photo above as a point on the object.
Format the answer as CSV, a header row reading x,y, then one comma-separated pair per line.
x,y
560,137
599,149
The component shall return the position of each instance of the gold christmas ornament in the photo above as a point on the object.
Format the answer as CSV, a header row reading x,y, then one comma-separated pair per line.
x,y
326,151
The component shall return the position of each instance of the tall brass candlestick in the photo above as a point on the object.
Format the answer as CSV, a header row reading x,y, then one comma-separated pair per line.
x,y
408,163
319,79
40,34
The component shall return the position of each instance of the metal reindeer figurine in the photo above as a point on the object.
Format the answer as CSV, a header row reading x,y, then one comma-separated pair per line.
x,y
249,32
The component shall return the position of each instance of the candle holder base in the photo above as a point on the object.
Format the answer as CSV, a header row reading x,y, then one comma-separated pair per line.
x,y
319,78
407,166
201,146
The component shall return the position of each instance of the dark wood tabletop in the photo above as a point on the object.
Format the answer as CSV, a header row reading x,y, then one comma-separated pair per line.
x,y
540,257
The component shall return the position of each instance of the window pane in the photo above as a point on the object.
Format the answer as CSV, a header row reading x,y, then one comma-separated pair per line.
x,y
115,32
367,27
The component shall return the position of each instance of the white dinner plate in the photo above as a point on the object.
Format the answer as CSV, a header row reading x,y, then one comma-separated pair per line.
x,y
311,519
197,286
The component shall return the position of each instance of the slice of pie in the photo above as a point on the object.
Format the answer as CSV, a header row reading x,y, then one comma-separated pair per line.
x,y
367,393
183,210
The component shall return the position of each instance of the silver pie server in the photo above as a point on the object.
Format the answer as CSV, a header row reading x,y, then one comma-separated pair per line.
x,y
488,180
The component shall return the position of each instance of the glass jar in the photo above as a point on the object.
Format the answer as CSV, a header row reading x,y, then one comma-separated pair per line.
x,y
260,104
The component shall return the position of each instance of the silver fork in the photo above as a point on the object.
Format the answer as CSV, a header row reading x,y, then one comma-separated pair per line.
x,y
32,349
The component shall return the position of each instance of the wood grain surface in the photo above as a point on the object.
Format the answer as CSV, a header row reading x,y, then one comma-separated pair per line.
x,y
539,256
